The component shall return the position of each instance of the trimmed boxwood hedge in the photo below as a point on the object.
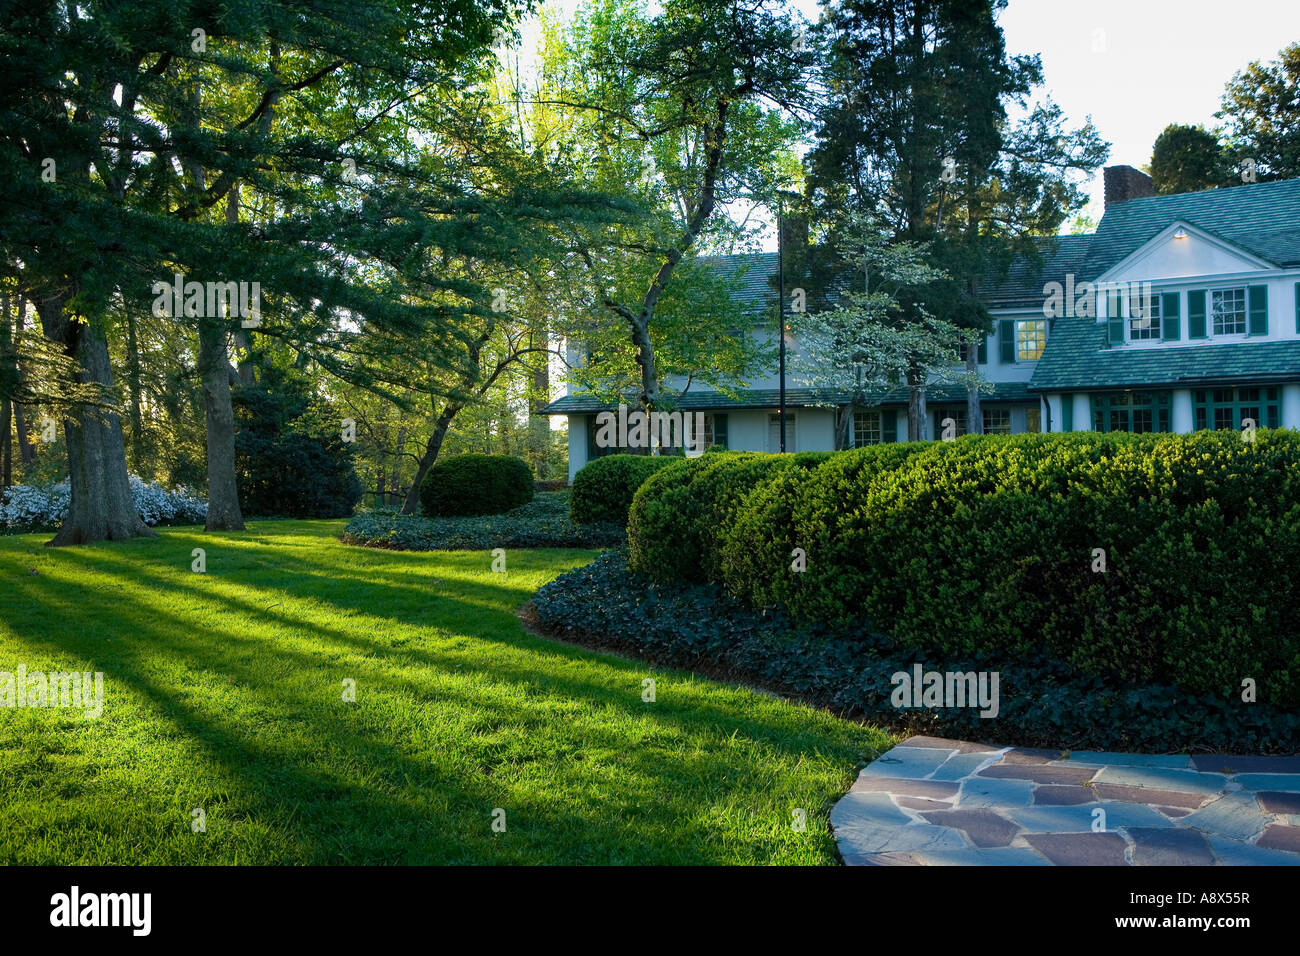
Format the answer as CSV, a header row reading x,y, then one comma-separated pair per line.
x,y
469,485
986,546
1042,702
676,517
603,488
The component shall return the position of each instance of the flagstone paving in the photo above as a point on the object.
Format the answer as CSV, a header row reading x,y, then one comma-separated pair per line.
x,y
935,802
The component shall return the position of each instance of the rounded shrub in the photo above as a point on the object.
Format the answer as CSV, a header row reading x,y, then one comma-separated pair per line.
x,y
468,485
1152,559
676,520
603,488
755,549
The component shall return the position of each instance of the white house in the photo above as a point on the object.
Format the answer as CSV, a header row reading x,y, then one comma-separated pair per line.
x,y
1180,312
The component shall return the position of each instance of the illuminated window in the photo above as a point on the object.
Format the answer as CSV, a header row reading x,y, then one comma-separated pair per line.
x,y
1031,338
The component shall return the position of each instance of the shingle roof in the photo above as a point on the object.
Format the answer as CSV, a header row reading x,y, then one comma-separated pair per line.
x,y
707,399
752,273
1076,358
1261,218
1023,283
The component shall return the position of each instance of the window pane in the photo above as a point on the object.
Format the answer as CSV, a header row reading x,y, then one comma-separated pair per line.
x,y
997,421
1033,419
1031,336
1144,317
1228,307
866,429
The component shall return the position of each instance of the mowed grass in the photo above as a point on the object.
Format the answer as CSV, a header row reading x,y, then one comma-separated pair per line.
x,y
224,692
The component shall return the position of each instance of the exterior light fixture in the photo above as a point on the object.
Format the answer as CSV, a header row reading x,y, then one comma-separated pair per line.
x,y
1180,234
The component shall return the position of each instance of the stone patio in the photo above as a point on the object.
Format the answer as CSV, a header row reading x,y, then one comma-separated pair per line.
x,y
934,802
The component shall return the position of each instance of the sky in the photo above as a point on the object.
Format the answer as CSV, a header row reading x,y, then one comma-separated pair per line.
x,y
1134,66
1138,65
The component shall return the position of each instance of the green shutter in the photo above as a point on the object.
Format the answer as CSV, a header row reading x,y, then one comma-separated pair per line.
x,y
1007,339
1196,314
1171,319
1067,412
1257,296
983,357
888,424
720,430
1115,335
1114,320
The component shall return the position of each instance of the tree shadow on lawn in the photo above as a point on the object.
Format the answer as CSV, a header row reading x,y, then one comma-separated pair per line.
x,y
513,636
283,780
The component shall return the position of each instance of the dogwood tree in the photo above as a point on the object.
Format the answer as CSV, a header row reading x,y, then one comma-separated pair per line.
x,y
877,329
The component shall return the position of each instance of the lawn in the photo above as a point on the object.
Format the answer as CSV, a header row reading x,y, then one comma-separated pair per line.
x,y
224,692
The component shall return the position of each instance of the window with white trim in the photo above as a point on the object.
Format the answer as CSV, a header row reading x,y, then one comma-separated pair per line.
x,y
1031,339
866,429
1228,309
1144,317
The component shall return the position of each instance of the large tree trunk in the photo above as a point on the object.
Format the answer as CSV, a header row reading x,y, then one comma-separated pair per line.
x,y
219,414
26,453
133,389
412,503
6,406
101,508
6,444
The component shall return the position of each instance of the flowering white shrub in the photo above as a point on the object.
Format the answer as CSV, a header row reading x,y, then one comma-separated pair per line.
x,y
34,507
29,507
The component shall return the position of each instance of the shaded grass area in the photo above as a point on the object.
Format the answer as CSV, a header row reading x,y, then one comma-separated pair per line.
x,y
224,691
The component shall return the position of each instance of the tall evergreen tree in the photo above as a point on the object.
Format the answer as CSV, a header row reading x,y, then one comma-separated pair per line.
x,y
916,136
115,165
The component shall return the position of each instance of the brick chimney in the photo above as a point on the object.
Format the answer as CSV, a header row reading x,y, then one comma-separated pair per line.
x,y
1124,183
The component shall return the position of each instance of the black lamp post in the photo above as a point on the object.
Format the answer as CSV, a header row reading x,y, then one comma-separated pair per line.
x,y
780,310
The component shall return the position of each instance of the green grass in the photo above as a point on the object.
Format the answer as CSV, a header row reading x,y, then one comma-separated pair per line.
x,y
223,691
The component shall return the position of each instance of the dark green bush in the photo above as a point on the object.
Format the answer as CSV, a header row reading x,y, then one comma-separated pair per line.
x,y
542,523
675,521
759,539
603,488
290,459
985,545
476,485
